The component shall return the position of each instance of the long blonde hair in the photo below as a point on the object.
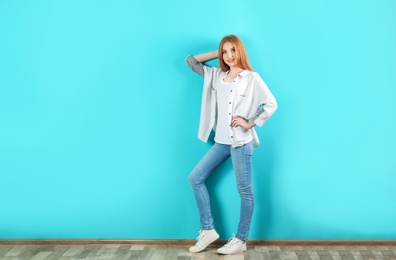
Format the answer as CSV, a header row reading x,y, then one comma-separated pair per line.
x,y
240,53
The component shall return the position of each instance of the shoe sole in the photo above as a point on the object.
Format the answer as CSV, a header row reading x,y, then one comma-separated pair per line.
x,y
239,251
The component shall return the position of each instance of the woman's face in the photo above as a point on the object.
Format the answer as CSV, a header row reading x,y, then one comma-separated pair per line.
x,y
229,54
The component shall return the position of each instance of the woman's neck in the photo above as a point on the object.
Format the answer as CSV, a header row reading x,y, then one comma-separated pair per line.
x,y
235,70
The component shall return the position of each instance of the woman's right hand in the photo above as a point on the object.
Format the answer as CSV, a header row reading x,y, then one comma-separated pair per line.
x,y
242,122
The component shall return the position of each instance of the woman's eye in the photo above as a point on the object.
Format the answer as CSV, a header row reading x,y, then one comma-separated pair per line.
x,y
224,52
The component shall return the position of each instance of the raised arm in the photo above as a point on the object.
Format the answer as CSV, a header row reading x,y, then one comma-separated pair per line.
x,y
206,56
196,62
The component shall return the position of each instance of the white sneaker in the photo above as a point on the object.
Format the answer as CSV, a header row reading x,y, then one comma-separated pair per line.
x,y
205,238
234,245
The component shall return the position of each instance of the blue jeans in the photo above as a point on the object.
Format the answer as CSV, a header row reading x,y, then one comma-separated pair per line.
x,y
241,161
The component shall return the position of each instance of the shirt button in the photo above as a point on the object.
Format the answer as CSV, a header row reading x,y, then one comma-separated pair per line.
x,y
229,102
231,90
229,113
232,136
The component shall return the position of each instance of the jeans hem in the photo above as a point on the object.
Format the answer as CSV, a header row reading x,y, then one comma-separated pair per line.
x,y
209,228
244,240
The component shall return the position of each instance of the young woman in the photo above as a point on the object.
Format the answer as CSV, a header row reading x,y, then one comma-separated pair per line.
x,y
234,100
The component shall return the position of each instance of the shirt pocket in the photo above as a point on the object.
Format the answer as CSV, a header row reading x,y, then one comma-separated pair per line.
x,y
241,100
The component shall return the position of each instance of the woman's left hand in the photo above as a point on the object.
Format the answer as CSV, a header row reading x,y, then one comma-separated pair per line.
x,y
242,122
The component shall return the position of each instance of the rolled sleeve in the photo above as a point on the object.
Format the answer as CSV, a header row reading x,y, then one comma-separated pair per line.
x,y
195,65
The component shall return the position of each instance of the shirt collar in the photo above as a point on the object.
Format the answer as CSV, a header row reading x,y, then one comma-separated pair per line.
x,y
242,74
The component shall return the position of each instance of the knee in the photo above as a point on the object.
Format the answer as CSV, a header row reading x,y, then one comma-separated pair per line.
x,y
194,179
245,192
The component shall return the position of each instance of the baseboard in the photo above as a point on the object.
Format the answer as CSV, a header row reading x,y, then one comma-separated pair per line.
x,y
183,242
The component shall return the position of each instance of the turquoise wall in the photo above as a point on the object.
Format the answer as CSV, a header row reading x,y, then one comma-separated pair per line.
x,y
99,118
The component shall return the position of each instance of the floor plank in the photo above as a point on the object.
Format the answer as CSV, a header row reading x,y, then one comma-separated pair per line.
x,y
180,252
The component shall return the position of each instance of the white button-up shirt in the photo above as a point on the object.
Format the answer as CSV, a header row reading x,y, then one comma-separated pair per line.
x,y
251,100
225,107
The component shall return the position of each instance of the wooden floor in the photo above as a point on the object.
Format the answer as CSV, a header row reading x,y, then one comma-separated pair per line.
x,y
180,252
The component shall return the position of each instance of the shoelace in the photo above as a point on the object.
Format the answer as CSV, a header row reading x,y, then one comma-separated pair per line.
x,y
232,241
200,236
